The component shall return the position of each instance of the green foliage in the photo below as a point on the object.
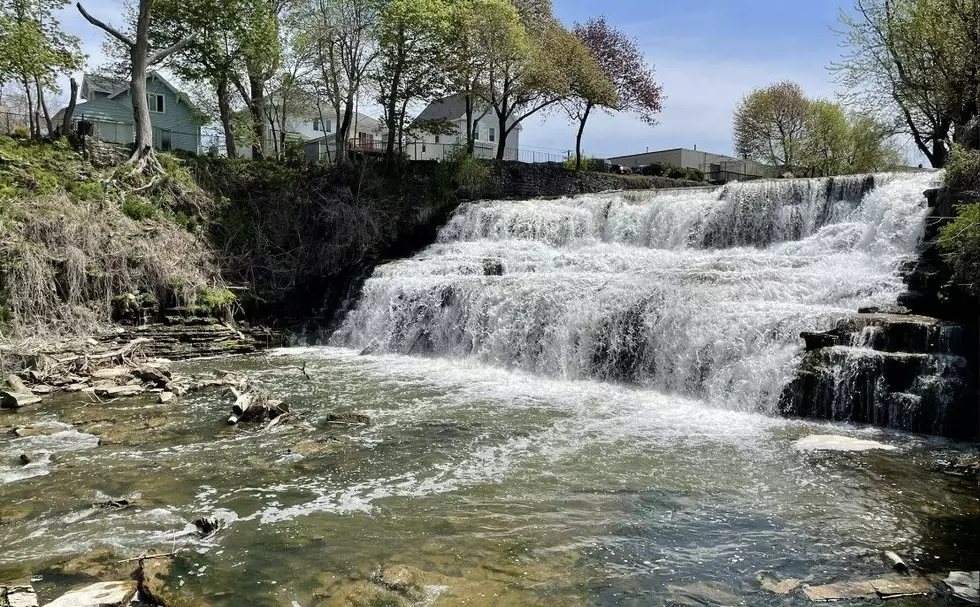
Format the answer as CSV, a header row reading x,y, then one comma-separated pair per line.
x,y
470,173
657,169
137,208
963,170
588,163
690,174
218,302
960,243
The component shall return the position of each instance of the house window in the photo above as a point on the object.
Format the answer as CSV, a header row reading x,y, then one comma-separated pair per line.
x,y
155,100
476,130
166,140
321,125
493,134
437,138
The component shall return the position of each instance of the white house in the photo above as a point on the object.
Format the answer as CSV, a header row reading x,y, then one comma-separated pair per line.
x,y
366,134
310,129
108,109
452,112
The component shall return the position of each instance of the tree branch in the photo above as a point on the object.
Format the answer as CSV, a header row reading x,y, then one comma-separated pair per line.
x,y
106,28
159,56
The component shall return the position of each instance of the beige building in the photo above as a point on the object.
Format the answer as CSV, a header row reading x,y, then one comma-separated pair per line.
x,y
716,167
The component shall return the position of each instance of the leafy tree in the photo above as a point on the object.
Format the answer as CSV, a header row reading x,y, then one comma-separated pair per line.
x,y
917,61
413,40
825,142
34,50
625,82
140,59
342,36
769,124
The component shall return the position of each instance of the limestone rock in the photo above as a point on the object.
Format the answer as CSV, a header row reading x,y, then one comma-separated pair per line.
x,y
103,594
310,448
17,385
24,431
112,373
897,587
832,442
15,400
349,419
119,391
770,584
841,591
101,564
165,397
156,376
21,595
963,585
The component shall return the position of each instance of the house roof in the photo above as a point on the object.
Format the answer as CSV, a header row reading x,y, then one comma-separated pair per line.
x,y
94,83
448,108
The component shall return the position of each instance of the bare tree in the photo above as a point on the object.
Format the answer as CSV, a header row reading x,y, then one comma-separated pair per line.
x,y
141,58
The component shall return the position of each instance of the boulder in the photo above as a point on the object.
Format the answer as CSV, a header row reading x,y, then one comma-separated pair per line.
x,y
165,397
156,376
119,391
103,594
25,431
20,595
15,400
963,585
815,341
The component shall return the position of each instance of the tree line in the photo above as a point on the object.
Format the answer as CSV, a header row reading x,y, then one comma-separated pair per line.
x,y
257,64
910,68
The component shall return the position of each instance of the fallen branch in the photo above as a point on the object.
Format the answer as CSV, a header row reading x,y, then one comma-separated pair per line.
x,y
164,555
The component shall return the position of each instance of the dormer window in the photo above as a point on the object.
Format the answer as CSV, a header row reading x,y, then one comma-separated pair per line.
x,y
156,103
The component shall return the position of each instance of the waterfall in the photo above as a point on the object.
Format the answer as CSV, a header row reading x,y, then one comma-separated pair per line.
x,y
699,292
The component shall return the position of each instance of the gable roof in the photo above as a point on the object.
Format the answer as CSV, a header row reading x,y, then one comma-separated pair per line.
x,y
94,83
447,108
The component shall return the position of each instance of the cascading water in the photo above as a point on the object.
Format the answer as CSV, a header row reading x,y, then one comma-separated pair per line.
x,y
696,292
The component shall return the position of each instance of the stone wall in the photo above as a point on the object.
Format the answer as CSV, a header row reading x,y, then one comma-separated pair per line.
x,y
517,180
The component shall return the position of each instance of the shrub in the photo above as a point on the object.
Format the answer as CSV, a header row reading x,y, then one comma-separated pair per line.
x,y
963,169
217,302
960,243
656,169
138,209
471,174
588,163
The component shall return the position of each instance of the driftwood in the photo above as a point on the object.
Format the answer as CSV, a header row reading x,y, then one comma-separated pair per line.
x,y
253,404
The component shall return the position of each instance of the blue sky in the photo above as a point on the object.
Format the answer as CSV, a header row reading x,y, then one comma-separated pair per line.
x,y
707,54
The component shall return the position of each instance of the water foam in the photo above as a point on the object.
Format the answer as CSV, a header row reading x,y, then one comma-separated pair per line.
x,y
700,293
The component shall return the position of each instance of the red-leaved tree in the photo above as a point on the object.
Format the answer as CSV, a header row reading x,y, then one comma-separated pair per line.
x,y
633,80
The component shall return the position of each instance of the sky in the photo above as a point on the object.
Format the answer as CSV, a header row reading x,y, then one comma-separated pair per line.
x,y
707,54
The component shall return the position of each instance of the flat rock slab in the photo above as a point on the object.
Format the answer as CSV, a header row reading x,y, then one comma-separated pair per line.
x,y
120,391
964,585
770,584
104,594
884,588
14,400
18,596
833,442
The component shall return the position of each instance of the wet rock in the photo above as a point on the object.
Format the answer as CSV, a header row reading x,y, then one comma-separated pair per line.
x,y
42,389
884,588
965,465
19,595
896,309
207,526
13,513
165,397
707,593
120,391
25,431
158,586
157,376
832,442
254,405
962,585
493,267
349,419
26,458
103,594
815,341
15,400
99,565
310,448
770,584
178,389
119,504
77,387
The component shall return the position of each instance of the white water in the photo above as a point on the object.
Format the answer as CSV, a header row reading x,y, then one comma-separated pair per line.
x,y
701,293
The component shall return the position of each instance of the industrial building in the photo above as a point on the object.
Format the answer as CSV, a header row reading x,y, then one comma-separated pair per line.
x,y
716,167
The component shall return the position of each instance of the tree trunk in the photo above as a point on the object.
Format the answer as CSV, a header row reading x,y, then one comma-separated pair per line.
x,y
143,147
256,107
502,136
578,137
44,106
70,111
224,113
394,124
343,131
31,116
470,136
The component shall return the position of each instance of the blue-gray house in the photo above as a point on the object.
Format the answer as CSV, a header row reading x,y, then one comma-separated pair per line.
x,y
109,109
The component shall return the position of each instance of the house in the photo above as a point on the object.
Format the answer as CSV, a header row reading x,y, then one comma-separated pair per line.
x,y
716,167
108,107
450,113
317,132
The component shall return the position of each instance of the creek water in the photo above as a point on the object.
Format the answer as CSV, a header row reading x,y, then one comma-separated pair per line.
x,y
572,405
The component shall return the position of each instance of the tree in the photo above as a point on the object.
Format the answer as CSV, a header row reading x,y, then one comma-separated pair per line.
x,y
769,124
413,40
342,34
825,142
625,82
916,61
34,50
